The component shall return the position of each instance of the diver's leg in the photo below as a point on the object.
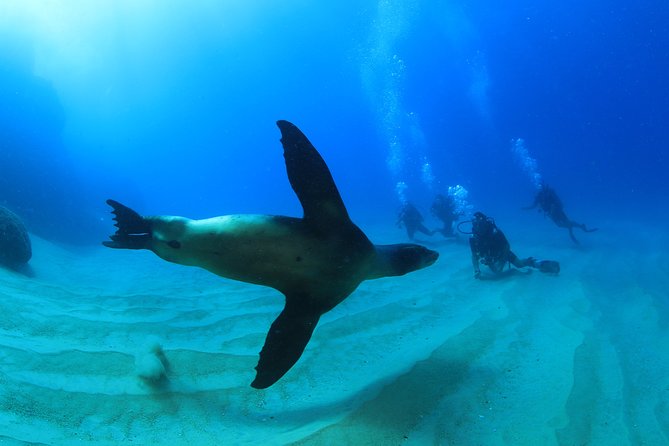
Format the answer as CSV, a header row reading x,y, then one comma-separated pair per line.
x,y
583,228
515,261
545,266
424,230
447,230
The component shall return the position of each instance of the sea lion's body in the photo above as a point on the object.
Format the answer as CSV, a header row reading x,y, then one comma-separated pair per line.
x,y
315,261
274,251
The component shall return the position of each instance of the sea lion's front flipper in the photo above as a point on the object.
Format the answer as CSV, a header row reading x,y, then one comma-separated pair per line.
x,y
310,178
286,340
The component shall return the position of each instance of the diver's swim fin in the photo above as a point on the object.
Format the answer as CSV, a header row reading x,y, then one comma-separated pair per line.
x,y
548,266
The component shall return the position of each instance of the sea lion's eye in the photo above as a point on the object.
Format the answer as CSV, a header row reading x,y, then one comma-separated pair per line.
x,y
174,244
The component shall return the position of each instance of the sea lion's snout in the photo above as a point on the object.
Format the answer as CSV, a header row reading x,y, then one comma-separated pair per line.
x,y
431,257
407,257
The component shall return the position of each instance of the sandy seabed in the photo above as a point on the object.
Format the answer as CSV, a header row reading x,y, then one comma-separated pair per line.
x,y
431,358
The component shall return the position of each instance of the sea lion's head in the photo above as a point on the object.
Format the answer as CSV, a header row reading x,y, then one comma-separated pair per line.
x,y
407,257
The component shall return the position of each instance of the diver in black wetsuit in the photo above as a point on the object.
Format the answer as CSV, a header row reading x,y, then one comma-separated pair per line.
x,y
551,205
412,220
490,247
444,209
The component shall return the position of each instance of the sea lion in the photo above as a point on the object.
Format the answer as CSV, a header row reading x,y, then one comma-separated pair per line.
x,y
316,261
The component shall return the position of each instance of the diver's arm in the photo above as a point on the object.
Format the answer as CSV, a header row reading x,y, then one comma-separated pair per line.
x,y
475,259
475,264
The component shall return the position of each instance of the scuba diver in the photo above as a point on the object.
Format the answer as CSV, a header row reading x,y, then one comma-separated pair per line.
x,y
551,205
444,209
490,247
412,219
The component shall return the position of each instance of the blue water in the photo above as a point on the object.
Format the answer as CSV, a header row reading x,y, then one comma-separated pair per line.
x,y
171,108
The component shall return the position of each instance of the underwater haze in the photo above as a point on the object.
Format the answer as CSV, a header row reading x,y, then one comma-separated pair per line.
x,y
170,107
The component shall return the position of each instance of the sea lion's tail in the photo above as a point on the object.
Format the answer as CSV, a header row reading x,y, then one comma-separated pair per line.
x,y
134,231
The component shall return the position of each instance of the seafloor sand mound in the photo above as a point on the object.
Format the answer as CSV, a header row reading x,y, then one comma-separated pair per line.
x,y
117,348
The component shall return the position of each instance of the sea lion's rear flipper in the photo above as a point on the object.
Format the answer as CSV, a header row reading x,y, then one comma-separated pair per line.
x,y
310,178
285,342
133,232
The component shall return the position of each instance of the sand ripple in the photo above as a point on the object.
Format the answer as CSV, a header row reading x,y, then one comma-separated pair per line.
x,y
431,358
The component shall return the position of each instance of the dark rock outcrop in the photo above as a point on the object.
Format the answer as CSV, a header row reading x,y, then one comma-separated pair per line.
x,y
15,248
